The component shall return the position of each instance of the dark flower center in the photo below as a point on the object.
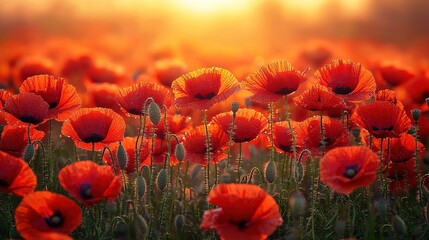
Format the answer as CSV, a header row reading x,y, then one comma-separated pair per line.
x,y
85,191
53,104
209,95
390,128
241,225
29,119
3,183
55,220
286,148
95,137
284,91
327,142
351,171
135,111
342,90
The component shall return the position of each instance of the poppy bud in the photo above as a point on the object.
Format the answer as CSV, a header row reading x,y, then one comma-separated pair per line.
x,y
140,186
356,132
415,113
29,152
139,227
122,156
270,171
298,173
380,206
154,113
225,178
399,225
180,152
427,101
161,179
179,223
234,107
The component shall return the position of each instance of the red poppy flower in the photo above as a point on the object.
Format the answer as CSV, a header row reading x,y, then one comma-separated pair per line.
x,y
320,98
30,66
105,72
402,176
16,176
382,119
160,150
14,140
47,215
177,124
103,95
248,124
90,183
399,149
62,98
308,135
269,83
258,218
389,96
417,89
129,143
25,108
4,96
283,141
132,98
344,169
389,76
204,87
98,126
349,80
166,71
195,144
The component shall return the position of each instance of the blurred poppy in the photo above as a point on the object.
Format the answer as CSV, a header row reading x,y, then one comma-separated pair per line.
x,y
98,126
402,176
204,87
62,97
4,96
349,80
417,89
382,119
399,149
129,144
167,70
258,218
270,82
105,72
103,95
177,124
248,124
25,108
47,215
89,182
16,176
133,98
14,140
308,135
196,148
389,76
320,98
283,141
344,169
30,66
389,96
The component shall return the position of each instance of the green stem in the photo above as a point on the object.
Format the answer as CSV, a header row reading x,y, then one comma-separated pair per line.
x,y
270,106
231,134
239,162
207,177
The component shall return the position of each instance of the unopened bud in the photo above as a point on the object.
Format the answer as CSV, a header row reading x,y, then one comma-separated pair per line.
x,y
140,186
179,223
161,179
180,152
427,101
356,132
29,152
234,107
122,156
154,113
399,225
298,172
270,171
415,113
225,178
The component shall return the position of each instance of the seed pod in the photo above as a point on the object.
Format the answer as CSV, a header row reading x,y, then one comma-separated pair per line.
x,y
298,173
122,156
140,186
270,171
139,227
356,132
179,223
234,107
380,206
399,225
180,152
29,152
225,178
415,113
154,113
161,179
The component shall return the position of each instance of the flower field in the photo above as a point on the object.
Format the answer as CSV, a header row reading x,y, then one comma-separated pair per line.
x,y
112,132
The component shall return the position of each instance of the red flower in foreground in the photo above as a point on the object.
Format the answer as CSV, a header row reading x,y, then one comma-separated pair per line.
x,y
382,119
344,169
320,98
269,83
16,176
14,140
133,98
98,126
62,97
256,219
46,215
195,144
129,143
90,183
26,108
204,87
247,125
347,79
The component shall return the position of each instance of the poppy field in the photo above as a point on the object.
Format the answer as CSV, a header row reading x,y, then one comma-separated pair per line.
x,y
104,138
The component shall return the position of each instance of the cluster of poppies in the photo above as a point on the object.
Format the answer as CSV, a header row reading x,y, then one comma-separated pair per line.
x,y
341,121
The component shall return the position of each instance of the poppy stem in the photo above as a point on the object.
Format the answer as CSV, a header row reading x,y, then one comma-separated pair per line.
x,y
231,134
416,158
270,106
28,132
239,162
380,168
322,134
93,151
207,177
